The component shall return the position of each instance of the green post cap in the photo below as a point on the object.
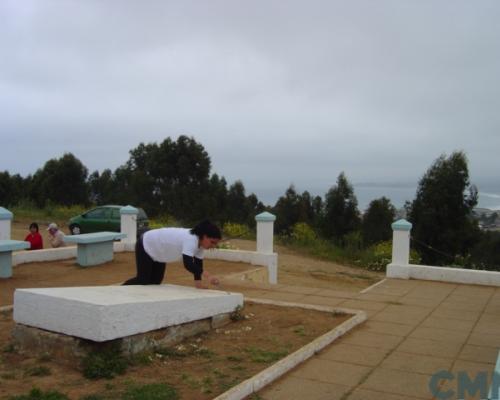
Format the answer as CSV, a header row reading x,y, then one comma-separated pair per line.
x,y
401,225
265,216
5,214
129,210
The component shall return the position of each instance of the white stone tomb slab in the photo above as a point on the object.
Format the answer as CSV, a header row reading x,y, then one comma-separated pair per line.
x,y
101,313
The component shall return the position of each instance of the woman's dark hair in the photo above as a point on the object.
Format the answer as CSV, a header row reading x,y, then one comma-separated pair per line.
x,y
34,225
206,228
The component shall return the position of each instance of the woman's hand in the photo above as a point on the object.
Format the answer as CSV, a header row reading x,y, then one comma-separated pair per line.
x,y
214,281
200,285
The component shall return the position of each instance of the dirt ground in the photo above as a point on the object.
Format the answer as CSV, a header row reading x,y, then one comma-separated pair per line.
x,y
301,270
199,368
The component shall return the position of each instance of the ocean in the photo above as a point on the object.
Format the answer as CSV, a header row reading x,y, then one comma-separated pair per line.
x,y
366,193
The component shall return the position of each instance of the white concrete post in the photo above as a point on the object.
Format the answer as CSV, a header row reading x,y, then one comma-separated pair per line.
x,y
128,223
401,242
265,232
5,223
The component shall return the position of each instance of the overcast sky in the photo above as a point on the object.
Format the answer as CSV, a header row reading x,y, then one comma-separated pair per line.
x,y
278,92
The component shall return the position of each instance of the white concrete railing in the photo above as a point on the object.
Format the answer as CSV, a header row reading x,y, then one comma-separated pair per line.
x,y
400,268
264,256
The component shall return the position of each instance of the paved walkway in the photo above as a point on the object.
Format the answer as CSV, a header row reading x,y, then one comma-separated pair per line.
x,y
414,329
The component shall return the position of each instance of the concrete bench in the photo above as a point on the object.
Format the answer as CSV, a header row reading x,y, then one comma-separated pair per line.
x,y
94,248
103,313
6,249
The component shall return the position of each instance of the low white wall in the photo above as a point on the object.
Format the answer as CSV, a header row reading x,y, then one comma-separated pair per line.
x,y
61,253
443,274
270,261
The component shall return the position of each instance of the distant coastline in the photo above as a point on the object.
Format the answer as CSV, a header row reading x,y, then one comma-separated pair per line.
x,y
365,193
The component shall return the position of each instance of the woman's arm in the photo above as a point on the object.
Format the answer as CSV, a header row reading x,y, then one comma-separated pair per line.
x,y
195,266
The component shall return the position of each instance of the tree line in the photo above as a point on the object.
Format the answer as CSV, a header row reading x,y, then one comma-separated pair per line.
x,y
174,177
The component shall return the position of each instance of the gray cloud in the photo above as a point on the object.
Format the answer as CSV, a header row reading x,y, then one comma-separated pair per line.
x,y
278,92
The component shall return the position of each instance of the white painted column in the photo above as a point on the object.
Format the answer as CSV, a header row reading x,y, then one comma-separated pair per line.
x,y
401,242
5,223
128,215
265,232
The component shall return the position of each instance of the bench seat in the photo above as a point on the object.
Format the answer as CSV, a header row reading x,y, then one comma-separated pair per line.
x,y
6,249
94,248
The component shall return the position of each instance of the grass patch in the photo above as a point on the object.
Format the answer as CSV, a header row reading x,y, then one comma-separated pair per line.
x,y
93,397
9,348
142,358
234,358
152,391
106,364
300,330
237,314
264,356
27,211
45,357
37,394
38,370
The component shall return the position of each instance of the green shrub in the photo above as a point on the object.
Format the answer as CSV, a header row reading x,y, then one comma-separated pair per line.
x,y
162,221
38,370
49,213
152,391
37,394
303,234
378,256
104,364
233,230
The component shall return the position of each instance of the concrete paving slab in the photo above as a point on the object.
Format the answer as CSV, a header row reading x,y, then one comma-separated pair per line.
x,y
416,363
439,334
331,372
474,291
353,354
104,313
364,338
409,315
481,354
458,298
364,305
298,388
337,293
323,301
363,394
399,382
298,289
485,326
419,301
462,305
428,347
485,339
472,368
282,296
443,312
449,324
388,328
492,309
381,298
391,291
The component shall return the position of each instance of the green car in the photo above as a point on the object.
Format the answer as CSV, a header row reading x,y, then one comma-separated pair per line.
x,y
103,218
